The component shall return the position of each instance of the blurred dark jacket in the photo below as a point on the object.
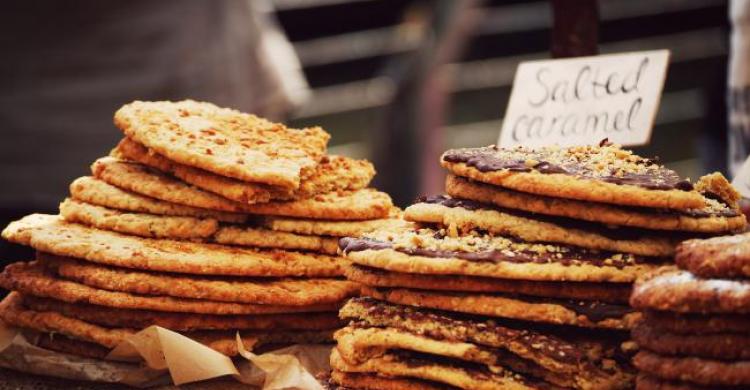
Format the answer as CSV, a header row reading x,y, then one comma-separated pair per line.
x,y
68,65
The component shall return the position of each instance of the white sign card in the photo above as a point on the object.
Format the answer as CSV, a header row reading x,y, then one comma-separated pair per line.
x,y
742,180
582,100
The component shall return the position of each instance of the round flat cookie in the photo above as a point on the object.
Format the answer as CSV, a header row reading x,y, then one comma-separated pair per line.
x,y
364,344
605,292
138,224
224,141
49,233
649,382
363,204
137,319
333,173
715,217
335,228
556,348
722,346
140,179
67,345
97,192
469,215
31,279
686,323
590,314
13,313
680,291
701,371
604,174
227,187
717,257
265,238
285,292
347,380
439,370
442,252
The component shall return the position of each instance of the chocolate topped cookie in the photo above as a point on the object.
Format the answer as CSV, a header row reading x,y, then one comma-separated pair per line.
x,y
604,173
715,216
468,215
442,251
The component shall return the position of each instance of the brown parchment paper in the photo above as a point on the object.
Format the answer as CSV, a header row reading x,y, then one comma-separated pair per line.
x,y
155,355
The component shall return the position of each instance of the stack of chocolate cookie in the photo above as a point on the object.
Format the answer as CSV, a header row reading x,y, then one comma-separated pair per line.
x,y
203,220
696,328
521,276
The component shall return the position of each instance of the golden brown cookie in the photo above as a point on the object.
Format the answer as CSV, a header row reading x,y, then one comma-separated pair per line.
x,y
707,372
469,215
649,382
590,314
31,279
138,224
265,238
287,292
94,191
318,227
604,174
49,233
717,257
63,344
224,141
687,323
333,173
140,179
605,292
444,252
346,380
137,319
438,370
363,204
715,217
227,187
675,290
13,313
362,344
560,349
723,346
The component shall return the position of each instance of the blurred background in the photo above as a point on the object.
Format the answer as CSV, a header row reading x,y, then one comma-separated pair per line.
x,y
396,81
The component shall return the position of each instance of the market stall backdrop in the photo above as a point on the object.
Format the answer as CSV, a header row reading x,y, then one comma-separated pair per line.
x,y
404,67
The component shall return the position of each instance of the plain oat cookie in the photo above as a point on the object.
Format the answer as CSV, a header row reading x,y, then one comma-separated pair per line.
x,y
51,234
138,224
97,192
284,291
224,141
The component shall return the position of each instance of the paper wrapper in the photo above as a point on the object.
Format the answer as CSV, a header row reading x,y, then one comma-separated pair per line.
x,y
156,356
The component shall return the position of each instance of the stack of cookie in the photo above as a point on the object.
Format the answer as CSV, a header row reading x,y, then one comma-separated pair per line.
x,y
521,276
203,220
696,328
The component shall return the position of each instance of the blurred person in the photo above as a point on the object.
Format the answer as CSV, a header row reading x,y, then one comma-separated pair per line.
x,y
739,85
68,65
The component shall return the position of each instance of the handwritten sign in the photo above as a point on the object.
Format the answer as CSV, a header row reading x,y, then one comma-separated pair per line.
x,y
582,100
742,180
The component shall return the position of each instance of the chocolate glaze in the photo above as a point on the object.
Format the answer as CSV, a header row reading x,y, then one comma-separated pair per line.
x,y
507,329
489,159
596,311
573,256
